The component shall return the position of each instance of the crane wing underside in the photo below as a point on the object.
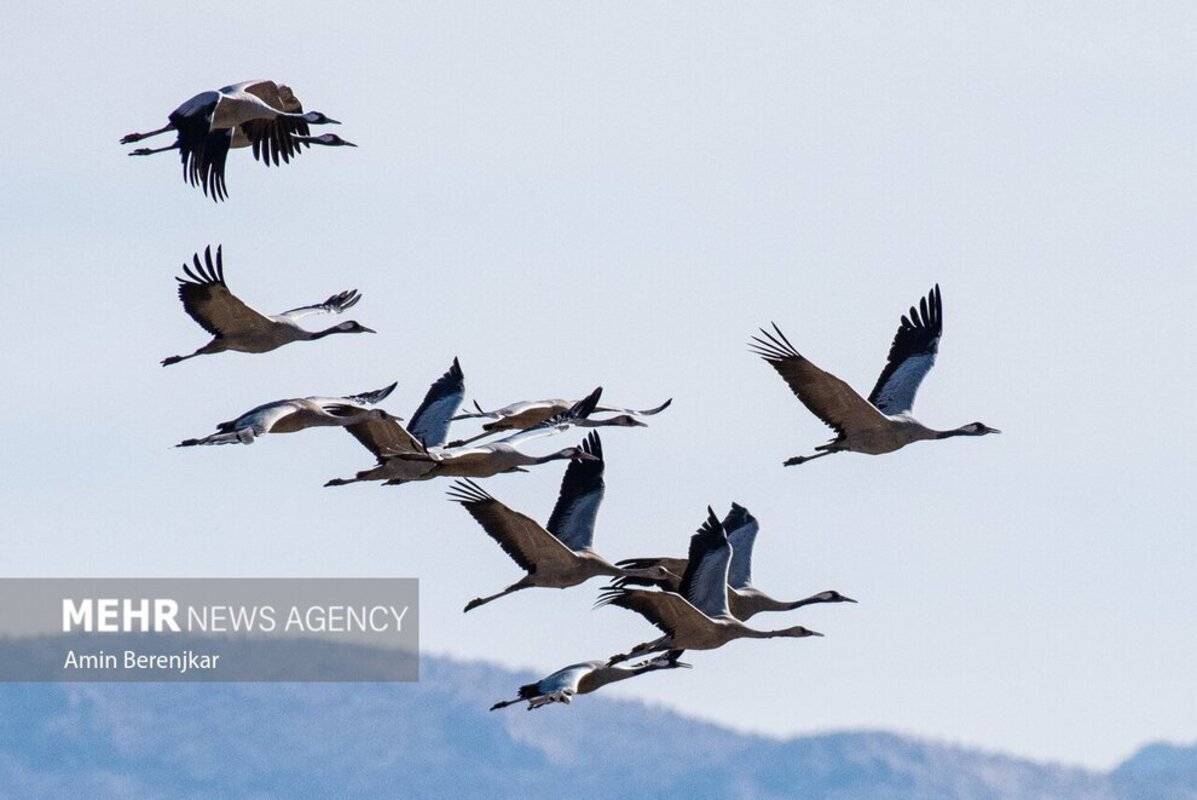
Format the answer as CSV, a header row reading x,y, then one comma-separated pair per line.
x,y
742,529
578,501
911,356
430,423
705,582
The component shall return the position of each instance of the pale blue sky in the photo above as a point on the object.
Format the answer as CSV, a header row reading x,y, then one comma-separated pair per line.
x,y
566,195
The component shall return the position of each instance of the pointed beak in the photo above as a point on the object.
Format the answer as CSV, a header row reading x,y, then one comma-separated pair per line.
x,y
368,330
349,144
991,430
813,633
848,599
587,457
684,665
331,121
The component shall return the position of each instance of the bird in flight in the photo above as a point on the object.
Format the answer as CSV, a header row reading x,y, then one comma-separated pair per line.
x,y
260,114
584,678
882,423
235,326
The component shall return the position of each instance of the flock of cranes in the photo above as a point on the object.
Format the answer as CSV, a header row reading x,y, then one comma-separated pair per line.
x,y
700,602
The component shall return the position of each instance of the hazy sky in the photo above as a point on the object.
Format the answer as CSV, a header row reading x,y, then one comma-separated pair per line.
x,y
565,195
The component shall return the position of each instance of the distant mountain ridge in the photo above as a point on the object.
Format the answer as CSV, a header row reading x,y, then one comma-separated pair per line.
x,y
437,739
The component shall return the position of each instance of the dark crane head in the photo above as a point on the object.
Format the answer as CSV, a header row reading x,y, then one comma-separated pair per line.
x,y
796,632
330,140
971,429
353,326
660,573
574,453
319,118
832,596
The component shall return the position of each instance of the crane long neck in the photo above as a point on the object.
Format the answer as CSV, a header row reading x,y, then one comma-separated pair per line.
x,y
764,602
587,422
312,335
753,633
647,573
552,457
790,606
963,430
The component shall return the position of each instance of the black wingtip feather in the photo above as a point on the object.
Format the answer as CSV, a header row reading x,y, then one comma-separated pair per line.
x,y
711,535
610,595
585,407
593,445
773,347
466,492
737,518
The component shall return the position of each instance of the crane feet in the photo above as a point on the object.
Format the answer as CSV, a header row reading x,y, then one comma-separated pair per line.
x,y
477,601
132,137
791,462
621,657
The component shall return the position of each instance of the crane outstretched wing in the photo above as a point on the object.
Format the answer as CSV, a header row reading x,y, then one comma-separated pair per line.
x,y
430,423
521,537
827,397
274,138
376,396
207,300
670,613
675,566
582,488
911,356
741,529
333,305
643,412
705,582
385,438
